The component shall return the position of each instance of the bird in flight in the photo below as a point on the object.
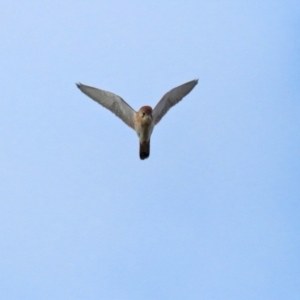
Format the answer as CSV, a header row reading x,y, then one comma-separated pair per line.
x,y
144,120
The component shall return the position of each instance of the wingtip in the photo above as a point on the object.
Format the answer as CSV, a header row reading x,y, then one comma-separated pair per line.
x,y
78,85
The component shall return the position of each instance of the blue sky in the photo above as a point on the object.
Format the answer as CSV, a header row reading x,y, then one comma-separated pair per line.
x,y
212,214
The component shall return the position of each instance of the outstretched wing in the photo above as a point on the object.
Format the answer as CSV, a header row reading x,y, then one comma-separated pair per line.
x,y
171,98
110,101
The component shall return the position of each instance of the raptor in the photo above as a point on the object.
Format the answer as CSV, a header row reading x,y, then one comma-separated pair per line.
x,y
143,120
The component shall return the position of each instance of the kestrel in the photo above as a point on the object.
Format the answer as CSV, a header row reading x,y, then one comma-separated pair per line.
x,y
144,120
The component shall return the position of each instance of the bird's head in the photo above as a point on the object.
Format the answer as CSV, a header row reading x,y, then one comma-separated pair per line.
x,y
145,113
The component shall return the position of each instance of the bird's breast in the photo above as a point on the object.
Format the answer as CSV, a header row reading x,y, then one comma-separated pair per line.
x,y
144,128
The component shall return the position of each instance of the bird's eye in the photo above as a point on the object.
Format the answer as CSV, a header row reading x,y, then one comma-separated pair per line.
x,y
143,114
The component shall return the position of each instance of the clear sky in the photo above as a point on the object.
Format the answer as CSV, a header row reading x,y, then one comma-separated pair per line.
x,y
213,214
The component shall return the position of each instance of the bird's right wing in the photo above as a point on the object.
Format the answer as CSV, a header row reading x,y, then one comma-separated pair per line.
x,y
110,101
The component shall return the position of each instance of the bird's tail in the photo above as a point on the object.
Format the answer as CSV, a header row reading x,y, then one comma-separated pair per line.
x,y
144,149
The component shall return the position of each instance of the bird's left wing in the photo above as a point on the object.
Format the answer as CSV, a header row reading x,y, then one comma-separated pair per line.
x,y
110,101
171,98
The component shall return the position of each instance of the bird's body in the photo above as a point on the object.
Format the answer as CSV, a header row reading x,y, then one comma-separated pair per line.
x,y
143,125
144,120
